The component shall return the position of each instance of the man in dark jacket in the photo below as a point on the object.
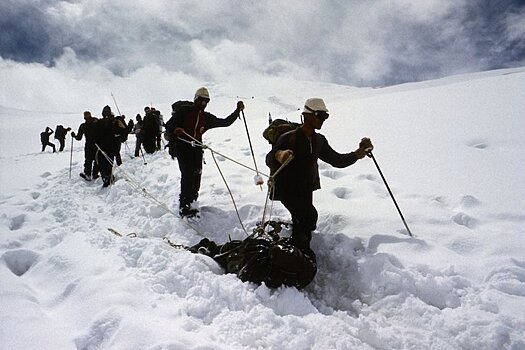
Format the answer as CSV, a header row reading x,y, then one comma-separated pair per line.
x,y
295,183
150,129
189,123
44,138
109,130
88,129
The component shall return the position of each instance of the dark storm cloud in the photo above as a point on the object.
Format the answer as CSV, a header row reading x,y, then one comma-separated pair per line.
x,y
356,42
26,33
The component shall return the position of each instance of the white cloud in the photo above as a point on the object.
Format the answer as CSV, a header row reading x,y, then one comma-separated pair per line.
x,y
372,42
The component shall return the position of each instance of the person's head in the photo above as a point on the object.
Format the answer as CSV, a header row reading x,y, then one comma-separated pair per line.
x,y
106,112
201,98
87,116
315,112
138,118
146,110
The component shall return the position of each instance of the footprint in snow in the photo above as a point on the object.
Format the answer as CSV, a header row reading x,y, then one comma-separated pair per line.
x,y
342,192
508,279
333,174
16,222
99,333
464,246
35,195
20,261
369,177
440,201
478,143
469,201
465,220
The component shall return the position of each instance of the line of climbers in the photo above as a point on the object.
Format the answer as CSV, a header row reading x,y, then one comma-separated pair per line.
x,y
296,148
108,133
60,135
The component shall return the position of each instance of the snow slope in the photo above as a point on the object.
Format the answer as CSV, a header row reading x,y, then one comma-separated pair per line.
x,y
452,150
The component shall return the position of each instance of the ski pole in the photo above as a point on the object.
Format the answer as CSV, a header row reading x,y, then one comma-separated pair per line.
x,y
144,158
116,105
371,155
258,179
71,157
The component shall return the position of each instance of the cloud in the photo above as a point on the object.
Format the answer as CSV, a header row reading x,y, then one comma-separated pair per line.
x,y
355,42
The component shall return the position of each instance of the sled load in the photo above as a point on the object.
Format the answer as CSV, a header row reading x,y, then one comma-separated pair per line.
x,y
264,256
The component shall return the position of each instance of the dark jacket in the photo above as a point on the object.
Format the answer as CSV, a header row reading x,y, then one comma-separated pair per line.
x,y
302,173
196,122
44,135
108,133
89,130
60,132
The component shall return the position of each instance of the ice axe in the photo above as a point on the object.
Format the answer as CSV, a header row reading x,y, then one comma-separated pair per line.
x,y
371,155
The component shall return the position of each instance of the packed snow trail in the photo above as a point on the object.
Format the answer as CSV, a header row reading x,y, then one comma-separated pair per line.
x,y
360,297
67,282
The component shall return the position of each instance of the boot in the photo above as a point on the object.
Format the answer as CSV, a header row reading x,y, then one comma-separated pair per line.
x,y
187,212
85,177
106,181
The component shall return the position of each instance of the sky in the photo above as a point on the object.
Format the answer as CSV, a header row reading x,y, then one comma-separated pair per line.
x,y
358,43
450,149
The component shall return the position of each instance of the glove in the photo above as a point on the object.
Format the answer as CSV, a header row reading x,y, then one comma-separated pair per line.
x,y
283,155
73,134
365,146
240,106
179,132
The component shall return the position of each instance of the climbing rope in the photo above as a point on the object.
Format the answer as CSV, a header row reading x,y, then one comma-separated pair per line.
x,y
196,143
271,189
231,194
271,179
136,186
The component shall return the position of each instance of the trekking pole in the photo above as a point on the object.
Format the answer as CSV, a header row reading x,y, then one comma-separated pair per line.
x,y
144,158
71,157
116,105
258,179
371,155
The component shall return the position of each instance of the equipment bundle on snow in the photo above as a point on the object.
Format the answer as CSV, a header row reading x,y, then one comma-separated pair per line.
x,y
263,257
277,128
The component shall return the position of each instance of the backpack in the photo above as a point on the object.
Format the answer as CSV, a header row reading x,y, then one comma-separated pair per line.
x,y
60,132
169,135
170,125
277,128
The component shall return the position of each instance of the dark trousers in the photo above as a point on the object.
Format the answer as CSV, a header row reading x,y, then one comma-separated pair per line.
x,y
149,143
44,144
190,165
304,216
138,144
90,165
62,144
118,158
104,165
